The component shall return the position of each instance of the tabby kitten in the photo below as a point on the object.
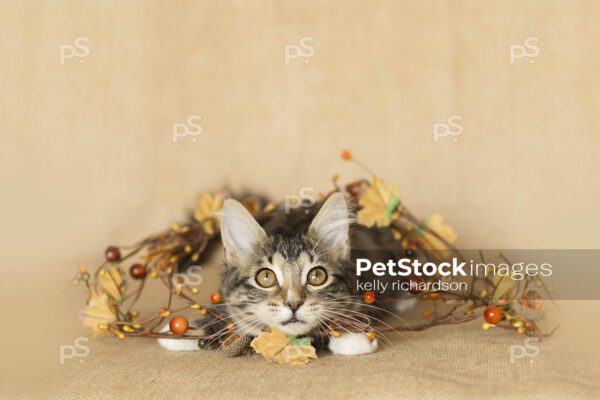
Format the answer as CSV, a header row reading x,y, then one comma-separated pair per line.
x,y
288,275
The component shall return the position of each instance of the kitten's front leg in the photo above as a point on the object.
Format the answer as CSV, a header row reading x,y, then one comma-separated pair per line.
x,y
352,344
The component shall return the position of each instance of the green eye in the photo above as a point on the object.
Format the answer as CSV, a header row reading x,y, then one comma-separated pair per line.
x,y
317,276
266,278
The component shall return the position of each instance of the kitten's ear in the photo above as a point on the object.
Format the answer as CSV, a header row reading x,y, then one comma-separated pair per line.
x,y
331,226
240,231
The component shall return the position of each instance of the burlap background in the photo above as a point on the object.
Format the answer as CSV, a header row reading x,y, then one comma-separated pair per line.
x,y
87,160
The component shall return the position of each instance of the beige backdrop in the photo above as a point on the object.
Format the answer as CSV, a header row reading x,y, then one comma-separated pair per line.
x,y
88,157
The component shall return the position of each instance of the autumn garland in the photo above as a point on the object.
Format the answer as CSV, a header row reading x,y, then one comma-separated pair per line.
x,y
500,302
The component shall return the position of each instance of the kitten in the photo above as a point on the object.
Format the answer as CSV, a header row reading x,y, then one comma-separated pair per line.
x,y
295,274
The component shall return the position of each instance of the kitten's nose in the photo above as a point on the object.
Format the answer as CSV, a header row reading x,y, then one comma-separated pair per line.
x,y
294,305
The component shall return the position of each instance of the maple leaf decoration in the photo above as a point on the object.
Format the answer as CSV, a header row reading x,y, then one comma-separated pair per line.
x,y
111,281
207,206
98,310
205,211
445,231
278,347
378,203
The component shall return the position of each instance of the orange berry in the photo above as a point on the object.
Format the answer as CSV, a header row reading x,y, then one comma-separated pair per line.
x,y
369,297
179,325
433,296
346,155
215,297
493,315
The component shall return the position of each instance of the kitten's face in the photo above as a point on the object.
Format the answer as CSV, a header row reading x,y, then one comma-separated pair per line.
x,y
291,283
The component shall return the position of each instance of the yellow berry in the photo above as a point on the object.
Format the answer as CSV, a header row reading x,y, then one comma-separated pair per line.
x,y
127,328
370,335
153,275
335,334
195,290
165,313
486,325
195,306
135,313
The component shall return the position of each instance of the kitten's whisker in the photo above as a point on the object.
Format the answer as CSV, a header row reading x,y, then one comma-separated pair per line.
x,y
382,322
337,315
333,322
376,308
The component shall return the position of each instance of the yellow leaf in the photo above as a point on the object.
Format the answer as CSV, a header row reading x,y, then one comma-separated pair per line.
x,y
111,283
275,346
377,202
98,312
207,206
435,223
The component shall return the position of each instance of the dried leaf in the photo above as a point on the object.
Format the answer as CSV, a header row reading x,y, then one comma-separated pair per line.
x,y
111,281
435,223
207,206
98,310
378,203
283,349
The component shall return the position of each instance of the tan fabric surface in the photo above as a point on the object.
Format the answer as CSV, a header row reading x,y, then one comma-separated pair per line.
x,y
442,363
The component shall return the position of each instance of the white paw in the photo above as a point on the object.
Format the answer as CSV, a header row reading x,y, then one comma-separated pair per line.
x,y
352,344
177,344
405,304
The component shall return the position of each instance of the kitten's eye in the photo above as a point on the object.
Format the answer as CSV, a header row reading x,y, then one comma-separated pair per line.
x,y
317,276
266,278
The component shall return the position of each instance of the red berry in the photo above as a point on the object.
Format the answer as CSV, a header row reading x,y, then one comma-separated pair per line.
x,y
179,325
215,297
112,254
137,271
369,297
414,285
493,315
